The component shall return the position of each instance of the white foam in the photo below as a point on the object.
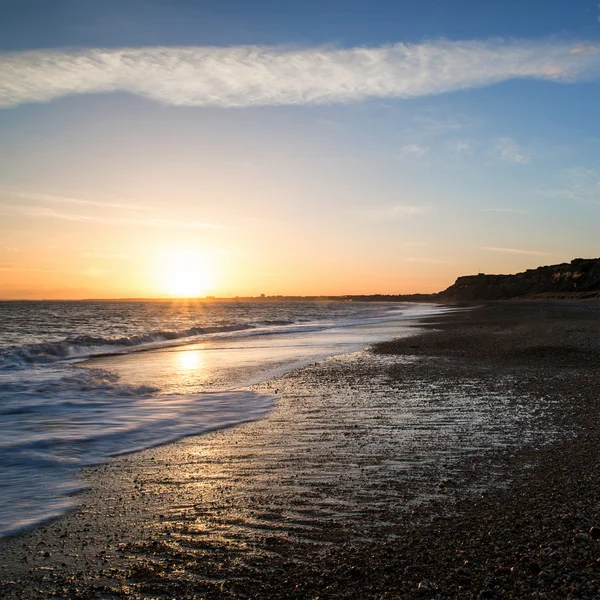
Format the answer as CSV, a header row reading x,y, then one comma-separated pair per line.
x,y
83,419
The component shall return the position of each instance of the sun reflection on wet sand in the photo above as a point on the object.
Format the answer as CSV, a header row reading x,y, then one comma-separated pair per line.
x,y
189,370
189,360
228,363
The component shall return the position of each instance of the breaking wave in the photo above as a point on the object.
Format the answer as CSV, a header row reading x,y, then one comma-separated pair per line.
x,y
85,346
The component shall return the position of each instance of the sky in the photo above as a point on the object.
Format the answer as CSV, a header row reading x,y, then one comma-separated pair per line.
x,y
153,148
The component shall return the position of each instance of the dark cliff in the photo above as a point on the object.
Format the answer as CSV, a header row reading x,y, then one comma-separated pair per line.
x,y
580,278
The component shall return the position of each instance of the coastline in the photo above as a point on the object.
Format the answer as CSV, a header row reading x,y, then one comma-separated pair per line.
x,y
319,499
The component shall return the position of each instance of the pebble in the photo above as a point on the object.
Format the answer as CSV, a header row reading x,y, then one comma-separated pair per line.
x,y
423,588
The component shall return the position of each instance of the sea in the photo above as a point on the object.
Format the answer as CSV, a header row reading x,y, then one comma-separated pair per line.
x,y
83,381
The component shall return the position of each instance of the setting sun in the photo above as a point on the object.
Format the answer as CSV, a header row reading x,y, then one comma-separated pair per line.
x,y
184,273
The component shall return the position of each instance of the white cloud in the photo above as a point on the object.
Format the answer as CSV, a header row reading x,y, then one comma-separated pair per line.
x,y
436,126
516,251
255,75
413,150
460,146
508,150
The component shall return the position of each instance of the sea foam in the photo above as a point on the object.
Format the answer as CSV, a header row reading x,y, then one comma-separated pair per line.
x,y
58,423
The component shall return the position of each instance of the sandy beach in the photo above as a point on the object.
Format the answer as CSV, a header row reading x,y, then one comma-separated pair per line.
x,y
460,462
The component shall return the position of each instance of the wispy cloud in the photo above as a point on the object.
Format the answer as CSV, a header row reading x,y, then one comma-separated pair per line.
x,y
397,211
20,269
460,146
98,255
413,150
428,261
507,150
516,251
583,184
45,212
50,198
255,75
516,211
413,244
436,125
42,212
409,210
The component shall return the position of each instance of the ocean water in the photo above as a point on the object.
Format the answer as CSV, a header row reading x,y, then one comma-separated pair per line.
x,y
83,381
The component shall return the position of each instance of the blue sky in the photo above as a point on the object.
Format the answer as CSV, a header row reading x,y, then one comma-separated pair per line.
x,y
298,147
58,23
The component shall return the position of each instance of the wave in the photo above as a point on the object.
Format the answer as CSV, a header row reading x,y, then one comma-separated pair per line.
x,y
85,419
86,346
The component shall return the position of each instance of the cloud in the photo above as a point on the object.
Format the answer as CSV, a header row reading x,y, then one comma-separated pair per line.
x,y
36,211
428,261
105,255
413,150
9,267
508,150
69,200
397,211
44,212
582,184
409,210
257,76
516,211
460,146
436,126
412,244
516,251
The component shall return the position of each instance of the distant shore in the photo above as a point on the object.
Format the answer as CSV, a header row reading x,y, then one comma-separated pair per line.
x,y
323,499
263,298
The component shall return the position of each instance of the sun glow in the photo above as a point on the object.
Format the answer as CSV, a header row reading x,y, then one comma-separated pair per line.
x,y
184,273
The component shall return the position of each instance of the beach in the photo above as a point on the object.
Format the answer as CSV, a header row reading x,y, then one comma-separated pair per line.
x,y
459,462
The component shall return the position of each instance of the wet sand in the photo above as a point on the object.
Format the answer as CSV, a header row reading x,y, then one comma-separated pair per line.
x,y
458,463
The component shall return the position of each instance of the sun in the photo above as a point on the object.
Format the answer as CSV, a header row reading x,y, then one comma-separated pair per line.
x,y
184,273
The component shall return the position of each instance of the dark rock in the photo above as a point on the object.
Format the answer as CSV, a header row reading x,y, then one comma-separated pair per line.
x,y
355,572
424,588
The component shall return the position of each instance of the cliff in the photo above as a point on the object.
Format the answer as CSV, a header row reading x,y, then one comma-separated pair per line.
x,y
580,278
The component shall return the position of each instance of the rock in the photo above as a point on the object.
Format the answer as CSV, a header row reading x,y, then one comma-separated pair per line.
x,y
595,532
534,568
424,588
355,572
582,537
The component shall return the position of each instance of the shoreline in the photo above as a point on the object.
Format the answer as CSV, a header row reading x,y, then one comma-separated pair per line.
x,y
316,499
112,399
